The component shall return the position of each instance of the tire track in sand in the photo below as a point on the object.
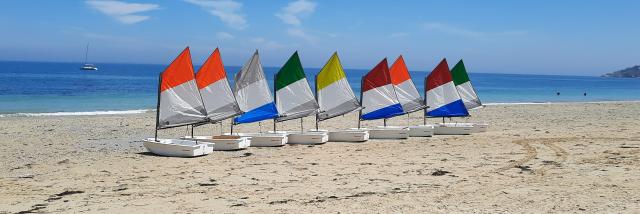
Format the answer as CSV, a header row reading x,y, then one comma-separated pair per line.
x,y
532,153
528,145
560,153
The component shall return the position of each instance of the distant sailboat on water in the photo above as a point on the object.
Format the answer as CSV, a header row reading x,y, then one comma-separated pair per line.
x,y
86,66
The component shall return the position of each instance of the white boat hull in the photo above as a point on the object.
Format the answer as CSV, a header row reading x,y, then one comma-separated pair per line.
x,y
346,135
452,129
223,142
421,131
389,132
177,148
478,127
305,137
264,139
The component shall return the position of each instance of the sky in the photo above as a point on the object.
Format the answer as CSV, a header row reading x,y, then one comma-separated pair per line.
x,y
569,37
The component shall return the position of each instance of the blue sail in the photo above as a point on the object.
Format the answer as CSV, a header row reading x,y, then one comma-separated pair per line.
x,y
378,96
442,96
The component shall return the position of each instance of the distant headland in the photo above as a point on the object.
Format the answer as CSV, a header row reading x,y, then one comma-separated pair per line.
x,y
632,72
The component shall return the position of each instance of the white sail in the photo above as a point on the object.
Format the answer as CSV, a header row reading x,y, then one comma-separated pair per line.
x,y
252,93
463,84
294,98
179,102
335,96
214,88
379,99
405,89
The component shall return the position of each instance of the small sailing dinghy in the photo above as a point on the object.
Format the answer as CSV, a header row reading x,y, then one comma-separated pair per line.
x,y
294,100
467,93
219,102
336,98
408,96
87,66
179,104
379,101
443,100
252,93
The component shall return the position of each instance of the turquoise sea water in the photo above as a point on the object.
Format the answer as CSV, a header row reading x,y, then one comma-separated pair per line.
x,y
34,87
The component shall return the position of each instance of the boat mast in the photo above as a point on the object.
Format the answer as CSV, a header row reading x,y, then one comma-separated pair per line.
x,y
424,115
360,112
157,107
317,101
275,100
393,87
86,54
301,127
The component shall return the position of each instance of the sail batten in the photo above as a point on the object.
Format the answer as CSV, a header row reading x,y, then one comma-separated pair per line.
x,y
294,98
179,102
441,94
334,94
215,90
252,93
379,98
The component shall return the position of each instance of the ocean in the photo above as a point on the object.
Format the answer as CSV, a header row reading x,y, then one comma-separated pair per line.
x,y
46,88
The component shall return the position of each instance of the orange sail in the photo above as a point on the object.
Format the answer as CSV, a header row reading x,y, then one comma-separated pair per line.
x,y
179,102
215,90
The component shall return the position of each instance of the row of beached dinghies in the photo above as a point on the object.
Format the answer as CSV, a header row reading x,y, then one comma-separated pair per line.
x,y
188,98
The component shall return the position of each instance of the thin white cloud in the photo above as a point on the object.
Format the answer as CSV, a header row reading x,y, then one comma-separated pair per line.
x,y
266,44
398,34
449,29
436,26
292,15
294,11
124,12
224,36
514,33
258,40
299,33
228,11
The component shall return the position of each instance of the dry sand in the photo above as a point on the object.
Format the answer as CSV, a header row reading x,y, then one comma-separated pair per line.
x,y
534,158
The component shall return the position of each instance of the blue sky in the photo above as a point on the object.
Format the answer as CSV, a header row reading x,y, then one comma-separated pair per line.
x,y
543,37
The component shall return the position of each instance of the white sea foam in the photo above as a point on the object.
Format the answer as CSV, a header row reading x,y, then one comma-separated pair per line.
x,y
81,113
508,104
553,103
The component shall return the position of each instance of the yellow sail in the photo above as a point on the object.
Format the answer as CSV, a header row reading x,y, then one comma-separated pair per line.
x,y
335,96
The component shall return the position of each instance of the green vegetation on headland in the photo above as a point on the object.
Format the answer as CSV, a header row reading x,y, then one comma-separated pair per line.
x,y
632,72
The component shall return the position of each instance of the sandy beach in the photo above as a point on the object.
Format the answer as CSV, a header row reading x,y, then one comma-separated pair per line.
x,y
534,158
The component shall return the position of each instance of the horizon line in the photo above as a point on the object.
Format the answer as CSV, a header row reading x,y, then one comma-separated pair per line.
x,y
197,65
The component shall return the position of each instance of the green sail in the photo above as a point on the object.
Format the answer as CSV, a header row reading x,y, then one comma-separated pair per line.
x,y
464,87
459,73
290,72
294,98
